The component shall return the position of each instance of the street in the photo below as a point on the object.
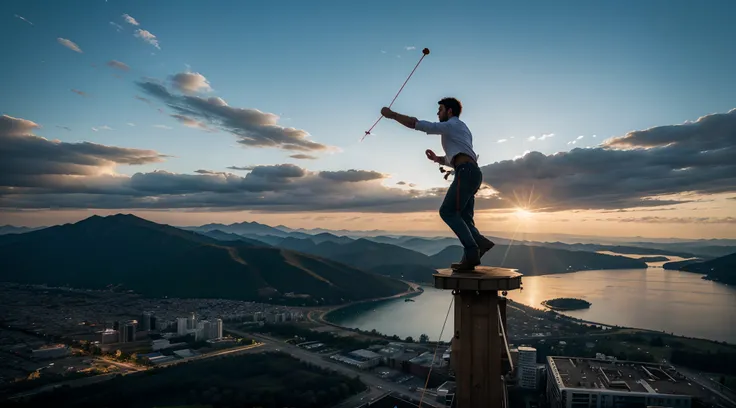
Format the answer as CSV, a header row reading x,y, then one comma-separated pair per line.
x,y
380,386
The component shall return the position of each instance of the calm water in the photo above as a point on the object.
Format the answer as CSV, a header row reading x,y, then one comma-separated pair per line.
x,y
654,298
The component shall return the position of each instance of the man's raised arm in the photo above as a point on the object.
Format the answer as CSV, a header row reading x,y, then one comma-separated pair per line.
x,y
407,121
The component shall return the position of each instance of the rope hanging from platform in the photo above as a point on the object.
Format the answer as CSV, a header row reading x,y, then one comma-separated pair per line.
x,y
435,352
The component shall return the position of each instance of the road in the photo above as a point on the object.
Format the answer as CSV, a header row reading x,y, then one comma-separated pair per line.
x,y
369,379
706,382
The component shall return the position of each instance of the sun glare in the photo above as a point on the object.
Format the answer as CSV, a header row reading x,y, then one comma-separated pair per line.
x,y
523,214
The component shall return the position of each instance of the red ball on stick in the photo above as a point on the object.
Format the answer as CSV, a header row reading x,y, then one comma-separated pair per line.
x,y
425,51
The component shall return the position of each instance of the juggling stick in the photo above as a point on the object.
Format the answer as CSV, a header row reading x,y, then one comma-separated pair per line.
x,y
425,52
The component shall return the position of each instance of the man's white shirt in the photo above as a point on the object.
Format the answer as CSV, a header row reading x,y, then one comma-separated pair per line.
x,y
456,137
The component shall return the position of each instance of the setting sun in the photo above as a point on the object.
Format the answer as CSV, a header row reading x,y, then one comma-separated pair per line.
x,y
523,214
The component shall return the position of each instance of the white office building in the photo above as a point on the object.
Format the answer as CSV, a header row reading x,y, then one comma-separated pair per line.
x,y
526,372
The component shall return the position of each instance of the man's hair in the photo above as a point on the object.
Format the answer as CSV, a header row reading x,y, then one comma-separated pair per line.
x,y
452,103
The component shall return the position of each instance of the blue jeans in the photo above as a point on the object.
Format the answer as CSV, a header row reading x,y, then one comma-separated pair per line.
x,y
457,208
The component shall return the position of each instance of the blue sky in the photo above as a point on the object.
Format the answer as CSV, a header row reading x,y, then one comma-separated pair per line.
x,y
574,68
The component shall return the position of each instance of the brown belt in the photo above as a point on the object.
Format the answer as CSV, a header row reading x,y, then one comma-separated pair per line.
x,y
461,158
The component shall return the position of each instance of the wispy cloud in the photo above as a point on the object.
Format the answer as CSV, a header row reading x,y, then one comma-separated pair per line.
x,y
119,65
162,127
24,19
146,36
130,20
674,220
103,127
303,156
252,127
580,137
189,122
410,47
502,141
117,26
140,98
532,138
78,92
131,124
546,136
67,128
69,44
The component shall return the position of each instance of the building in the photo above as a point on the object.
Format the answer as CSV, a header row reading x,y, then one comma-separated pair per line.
x,y
359,358
218,328
110,336
182,325
526,371
127,332
446,393
57,351
581,382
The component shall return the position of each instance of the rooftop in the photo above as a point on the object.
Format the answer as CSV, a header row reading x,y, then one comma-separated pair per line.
x,y
621,376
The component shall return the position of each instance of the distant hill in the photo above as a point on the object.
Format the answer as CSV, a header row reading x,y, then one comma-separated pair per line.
x,y
534,260
226,236
721,269
10,229
160,260
677,265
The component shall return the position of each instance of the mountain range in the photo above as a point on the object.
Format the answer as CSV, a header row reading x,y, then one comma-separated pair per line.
x,y
127,252
253,261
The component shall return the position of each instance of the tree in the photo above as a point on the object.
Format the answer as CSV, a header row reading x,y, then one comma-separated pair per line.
x,y
409,339
423,338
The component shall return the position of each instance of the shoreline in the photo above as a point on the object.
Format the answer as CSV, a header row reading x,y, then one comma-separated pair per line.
x,y
323,317
565,309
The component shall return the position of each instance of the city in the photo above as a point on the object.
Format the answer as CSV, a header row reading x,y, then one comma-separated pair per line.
x,y
57,336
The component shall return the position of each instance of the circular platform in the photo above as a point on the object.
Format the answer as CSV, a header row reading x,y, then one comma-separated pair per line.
x,y
483,278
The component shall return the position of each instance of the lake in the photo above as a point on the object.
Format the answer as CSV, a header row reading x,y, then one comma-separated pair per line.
x,y
657,299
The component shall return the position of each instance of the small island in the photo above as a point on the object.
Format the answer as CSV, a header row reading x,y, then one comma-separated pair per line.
x,y
654,259
566,304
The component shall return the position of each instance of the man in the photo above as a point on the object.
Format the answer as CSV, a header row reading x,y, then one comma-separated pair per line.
x,y
457,208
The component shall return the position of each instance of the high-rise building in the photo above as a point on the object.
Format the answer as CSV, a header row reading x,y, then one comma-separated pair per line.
x,y
182,325
526,372
145,322
127,332
154,325
192,325
218,327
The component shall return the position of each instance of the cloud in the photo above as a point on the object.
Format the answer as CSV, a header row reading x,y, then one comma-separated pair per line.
x,y
130,20
28,161
67,128
580,137
147,37
163,127
532,138
252,127
411,47
674,220
130,124
36,173
401,183
187,121
190,82
248,168
117,26
502,141
24,19
69,44
140,98
303,156
547,136
78,92
104,127
646,168
118,65
352,175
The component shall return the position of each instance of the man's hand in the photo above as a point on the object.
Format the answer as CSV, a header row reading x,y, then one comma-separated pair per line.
x,y
387,112
433,157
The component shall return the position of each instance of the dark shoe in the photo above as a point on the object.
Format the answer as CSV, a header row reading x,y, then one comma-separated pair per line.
x,y
467,264
484,246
